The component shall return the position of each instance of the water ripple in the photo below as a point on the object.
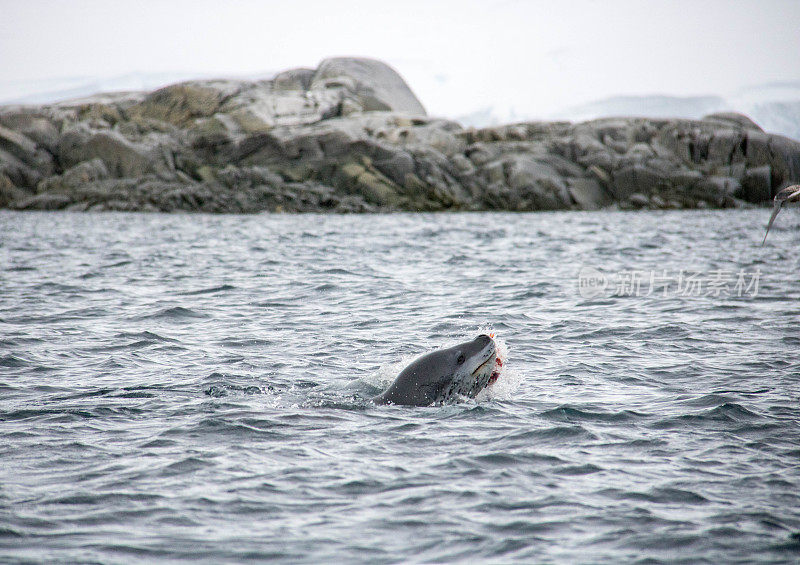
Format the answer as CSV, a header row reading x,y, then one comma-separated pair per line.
x,y
178,388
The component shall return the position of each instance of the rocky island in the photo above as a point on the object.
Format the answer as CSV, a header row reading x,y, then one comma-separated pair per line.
x,y
350,136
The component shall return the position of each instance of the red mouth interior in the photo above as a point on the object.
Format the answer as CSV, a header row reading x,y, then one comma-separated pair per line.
x,y
496,373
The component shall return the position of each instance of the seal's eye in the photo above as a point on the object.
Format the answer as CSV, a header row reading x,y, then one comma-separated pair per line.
x,y
460,359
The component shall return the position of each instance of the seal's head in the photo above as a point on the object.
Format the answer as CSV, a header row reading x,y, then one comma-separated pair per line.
x,y
446,374
477,361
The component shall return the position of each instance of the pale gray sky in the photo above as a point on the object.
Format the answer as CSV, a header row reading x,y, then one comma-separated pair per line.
x,y
531,56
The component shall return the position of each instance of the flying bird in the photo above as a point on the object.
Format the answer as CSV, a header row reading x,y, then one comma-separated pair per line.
x,y
788,194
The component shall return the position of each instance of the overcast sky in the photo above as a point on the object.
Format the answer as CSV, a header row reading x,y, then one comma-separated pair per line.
x,y
458,56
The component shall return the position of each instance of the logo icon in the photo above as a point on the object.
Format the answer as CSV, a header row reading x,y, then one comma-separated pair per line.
x,y
591,282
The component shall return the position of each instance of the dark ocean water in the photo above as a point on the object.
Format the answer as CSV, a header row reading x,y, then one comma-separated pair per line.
x,y
194,388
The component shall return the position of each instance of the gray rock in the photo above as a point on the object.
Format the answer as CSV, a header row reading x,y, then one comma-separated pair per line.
x,y
462,164
121,157
639,200
538,184
522,171
17,145
19,173
32,125
603,160
350,136
182,104
584,144
716,190
73,178
757,151
396,165
728,118
9,192
756,185
376,85
727,146
43,202
784,160
684,179
26,151
588,193
293,80
637,178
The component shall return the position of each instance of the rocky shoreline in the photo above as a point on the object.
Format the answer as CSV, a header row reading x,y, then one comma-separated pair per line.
x,y
350,136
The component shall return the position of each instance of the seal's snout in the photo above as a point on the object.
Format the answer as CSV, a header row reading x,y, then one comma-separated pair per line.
x,y
485,344
483,340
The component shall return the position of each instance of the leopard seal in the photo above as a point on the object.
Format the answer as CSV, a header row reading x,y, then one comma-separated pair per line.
x,y
445,374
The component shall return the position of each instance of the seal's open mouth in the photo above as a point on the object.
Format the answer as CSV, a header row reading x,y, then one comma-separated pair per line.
x,y
483,365
496,363
496,372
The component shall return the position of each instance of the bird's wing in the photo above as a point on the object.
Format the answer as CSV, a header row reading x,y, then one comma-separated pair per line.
x,y
775,210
